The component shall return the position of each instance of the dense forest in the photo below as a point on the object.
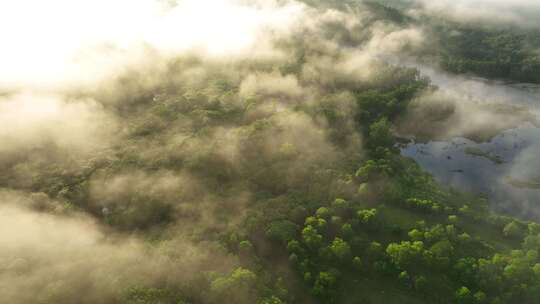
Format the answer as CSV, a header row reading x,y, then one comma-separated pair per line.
x,y
267,176
493,53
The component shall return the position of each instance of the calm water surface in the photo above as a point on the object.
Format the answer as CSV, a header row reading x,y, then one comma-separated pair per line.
x,y
518,149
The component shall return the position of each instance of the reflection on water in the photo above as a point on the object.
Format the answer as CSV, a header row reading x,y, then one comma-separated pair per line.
x,y
453,164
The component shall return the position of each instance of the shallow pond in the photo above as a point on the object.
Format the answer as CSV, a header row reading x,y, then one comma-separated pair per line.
x,y
507,168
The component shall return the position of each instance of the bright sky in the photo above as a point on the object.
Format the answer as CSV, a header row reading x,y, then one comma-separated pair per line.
x,y
46,42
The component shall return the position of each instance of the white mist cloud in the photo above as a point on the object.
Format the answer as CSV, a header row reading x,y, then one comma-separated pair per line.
x,y
63,260
46,42
517,12
32,121
70,259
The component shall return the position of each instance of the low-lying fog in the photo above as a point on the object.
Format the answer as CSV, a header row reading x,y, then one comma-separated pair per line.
x,y
490,142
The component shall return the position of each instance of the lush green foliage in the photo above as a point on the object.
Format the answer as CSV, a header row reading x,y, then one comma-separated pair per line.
x,y
312,202
501,54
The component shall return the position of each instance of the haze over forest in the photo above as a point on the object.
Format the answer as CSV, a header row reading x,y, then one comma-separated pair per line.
x,y
269,151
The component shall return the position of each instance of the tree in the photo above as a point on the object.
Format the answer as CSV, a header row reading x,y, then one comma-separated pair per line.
x,y
536,270
240,276
373,168
480,297
518,270
406,254
341,249
465,210
323,213
311,237
533,228
317,222
532,242
436,233
308,277
367,216
336,220
282,231
489,275
311,220
245,248
237,286
340,205
450,231
271,300
416,235
325,283
464,237
363,189
380,134
404,278
465,270
463,295
375,250
146,295
347,230
512,230
421,283
442,249
357,263
293,246
293,258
